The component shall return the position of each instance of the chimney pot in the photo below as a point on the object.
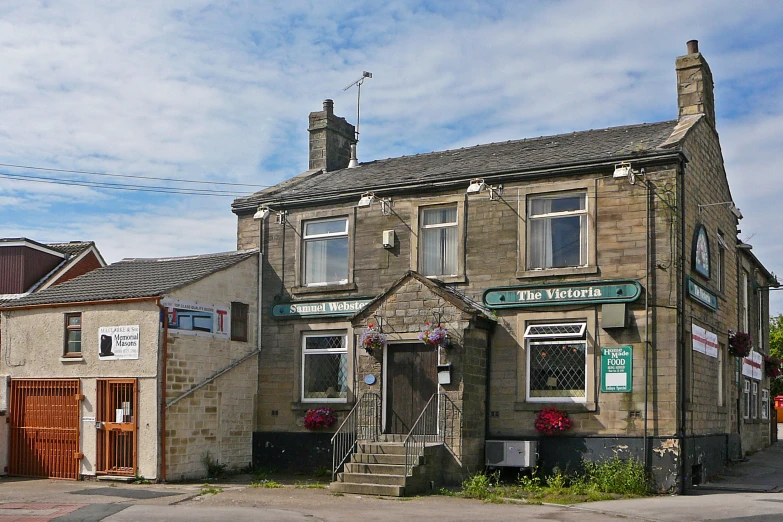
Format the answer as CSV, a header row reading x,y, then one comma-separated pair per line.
x,y
330,139
329,106
693,46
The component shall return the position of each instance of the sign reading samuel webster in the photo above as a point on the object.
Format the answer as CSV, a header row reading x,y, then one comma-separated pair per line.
x,y
593,292
344,307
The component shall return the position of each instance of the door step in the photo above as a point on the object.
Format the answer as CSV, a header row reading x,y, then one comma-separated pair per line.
x,y
115,478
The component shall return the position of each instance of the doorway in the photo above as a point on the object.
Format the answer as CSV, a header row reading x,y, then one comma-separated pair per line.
x,y
117,407
411,379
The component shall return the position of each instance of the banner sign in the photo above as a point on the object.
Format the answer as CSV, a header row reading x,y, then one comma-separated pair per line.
x,y
118,342
200,319
704,341
617,369
341,308
752,365
591,292
701,295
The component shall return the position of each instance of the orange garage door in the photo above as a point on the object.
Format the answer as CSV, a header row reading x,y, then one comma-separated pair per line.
x,y
44,425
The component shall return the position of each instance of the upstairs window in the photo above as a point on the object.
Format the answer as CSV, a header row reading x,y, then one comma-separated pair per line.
x,y
325,252
73,335
557,231
439,241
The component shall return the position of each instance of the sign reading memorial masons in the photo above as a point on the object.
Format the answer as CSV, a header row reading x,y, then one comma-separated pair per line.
x,y
341,308
118,342
617,369
592,292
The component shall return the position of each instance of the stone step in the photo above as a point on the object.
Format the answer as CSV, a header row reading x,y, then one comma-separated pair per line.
x,y
376,458
371,478
375,469
367,489
382,448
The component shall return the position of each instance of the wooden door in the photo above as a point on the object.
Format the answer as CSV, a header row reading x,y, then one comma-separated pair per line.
x,y
117,413
411,379
44,428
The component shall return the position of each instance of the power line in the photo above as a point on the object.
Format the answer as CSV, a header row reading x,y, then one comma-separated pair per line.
x,y
116,186
178,180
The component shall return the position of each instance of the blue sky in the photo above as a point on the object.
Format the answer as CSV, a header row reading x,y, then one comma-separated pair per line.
x,y
221,92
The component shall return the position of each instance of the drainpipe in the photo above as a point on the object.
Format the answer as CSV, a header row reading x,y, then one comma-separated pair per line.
x,y
681,329
164,370
647,452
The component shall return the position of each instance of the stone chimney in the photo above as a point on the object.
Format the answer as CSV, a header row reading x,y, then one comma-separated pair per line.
x,y
330,139
694,85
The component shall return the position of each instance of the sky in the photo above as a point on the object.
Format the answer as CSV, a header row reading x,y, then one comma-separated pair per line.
x,y
220,92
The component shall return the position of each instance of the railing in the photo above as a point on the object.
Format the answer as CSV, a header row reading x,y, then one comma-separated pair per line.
x,y
440,421
362,423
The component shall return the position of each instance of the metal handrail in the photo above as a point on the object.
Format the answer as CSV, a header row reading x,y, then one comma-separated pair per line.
x,y
451,426
423,428
363,422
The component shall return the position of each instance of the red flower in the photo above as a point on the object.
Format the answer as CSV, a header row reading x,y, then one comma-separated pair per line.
x,y
550,420
319,418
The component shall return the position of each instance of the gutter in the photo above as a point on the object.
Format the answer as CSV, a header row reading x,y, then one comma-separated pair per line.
x,y
80,303
648,160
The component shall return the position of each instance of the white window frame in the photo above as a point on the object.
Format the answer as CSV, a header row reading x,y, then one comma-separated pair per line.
x,y
451,224
544,339
325,351
754,406
744,296
746,398
720,264
764,404
584,242
331,235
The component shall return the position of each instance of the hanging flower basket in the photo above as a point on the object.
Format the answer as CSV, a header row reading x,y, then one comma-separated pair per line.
x,y
772,366
320,418
434,335
551,421
373,340
740,343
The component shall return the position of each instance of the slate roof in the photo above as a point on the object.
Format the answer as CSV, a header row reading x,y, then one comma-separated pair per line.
x,y
73,248
546,152
131,278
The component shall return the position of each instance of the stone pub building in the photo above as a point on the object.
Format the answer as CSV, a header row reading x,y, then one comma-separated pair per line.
x,y
597,272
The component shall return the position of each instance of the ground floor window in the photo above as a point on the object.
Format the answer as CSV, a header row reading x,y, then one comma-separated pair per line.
x,y
765,404
324,367
746,399
556,362
754,401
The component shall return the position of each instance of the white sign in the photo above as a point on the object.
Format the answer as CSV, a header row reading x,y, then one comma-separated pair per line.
x,y
201,319
88,419
704,341
118,342
752,364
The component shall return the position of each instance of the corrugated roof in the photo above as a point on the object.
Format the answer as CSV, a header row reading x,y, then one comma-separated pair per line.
x,y
133,278
576,148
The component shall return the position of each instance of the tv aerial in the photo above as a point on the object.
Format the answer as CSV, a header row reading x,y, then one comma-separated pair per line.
x,y
359,83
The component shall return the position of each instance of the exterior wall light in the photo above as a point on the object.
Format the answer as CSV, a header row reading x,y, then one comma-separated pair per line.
x,y
262,213
366,199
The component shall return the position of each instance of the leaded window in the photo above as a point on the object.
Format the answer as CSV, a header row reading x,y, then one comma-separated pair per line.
x,y
557,362
324,368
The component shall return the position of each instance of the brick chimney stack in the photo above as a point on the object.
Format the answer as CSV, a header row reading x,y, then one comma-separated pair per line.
x,y
330,139
694,84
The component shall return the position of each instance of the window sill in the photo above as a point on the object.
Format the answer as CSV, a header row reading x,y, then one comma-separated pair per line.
x,y
336,406
325,289
449,279
72,359
571,407
554,272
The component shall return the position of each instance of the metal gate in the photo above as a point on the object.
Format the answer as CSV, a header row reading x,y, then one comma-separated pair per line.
x,y
44,422
117,407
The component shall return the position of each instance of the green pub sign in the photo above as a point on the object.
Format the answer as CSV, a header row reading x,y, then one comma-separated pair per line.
x,y
617,369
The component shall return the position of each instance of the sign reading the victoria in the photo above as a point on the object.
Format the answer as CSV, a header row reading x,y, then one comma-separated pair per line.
x,y
593,292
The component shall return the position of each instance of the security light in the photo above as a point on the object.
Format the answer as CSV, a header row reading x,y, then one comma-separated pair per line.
x,y
476,186
622,170
262,213
367,199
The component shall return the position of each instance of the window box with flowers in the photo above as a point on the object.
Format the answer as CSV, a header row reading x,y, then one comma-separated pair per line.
x,y
319,418
740,343
373,340
551,421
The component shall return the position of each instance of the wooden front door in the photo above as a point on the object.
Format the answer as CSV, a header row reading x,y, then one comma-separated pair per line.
x,y
44,428
411,379
117,413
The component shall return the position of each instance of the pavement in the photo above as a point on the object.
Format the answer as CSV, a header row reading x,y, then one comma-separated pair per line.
x,y
748,491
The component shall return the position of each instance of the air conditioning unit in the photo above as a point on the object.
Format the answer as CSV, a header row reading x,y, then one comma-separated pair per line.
x,y
511,453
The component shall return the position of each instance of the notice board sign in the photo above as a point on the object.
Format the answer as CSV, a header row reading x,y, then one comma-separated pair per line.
x,y
616,369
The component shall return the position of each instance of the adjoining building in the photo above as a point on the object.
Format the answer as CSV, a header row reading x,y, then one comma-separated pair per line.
x,y
597,272
145,367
